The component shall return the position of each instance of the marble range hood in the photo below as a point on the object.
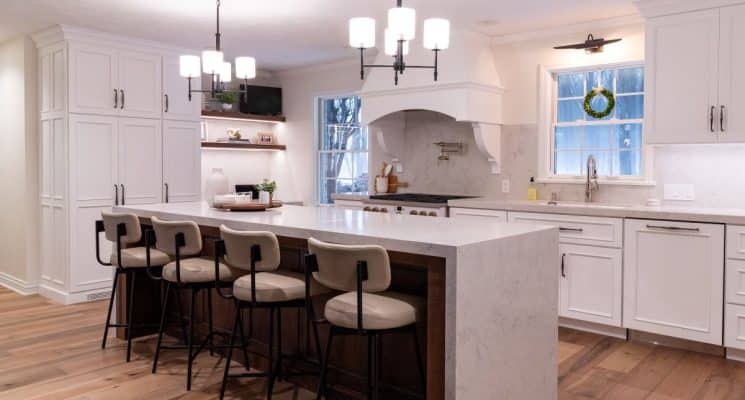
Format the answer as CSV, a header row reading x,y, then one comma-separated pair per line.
x,y
468,90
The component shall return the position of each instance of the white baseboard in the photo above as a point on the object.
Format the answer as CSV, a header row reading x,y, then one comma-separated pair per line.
x,y
592,327
18,285
735,354
53,294
66,298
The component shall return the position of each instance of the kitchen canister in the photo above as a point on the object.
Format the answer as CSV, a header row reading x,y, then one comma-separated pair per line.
x,y
217,184
381,184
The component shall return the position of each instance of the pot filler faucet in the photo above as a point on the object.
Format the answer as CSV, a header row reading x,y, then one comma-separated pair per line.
x,y
592,178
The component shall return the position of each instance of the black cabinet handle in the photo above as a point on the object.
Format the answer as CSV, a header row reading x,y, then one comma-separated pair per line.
x,y
166,185
122,105
124,197
711,118
116,98
721,118
561,229
166,96
673,228
116,195
563,274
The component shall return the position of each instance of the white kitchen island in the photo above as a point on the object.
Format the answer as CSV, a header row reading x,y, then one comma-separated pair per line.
x,y
499,314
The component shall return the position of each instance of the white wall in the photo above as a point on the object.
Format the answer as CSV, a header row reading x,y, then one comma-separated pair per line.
x,y
294,168
18,164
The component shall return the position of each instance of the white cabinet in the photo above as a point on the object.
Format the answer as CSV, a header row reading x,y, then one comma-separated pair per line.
x,y
693,64
104,142
93,83
473,214
182,161
734,315
140,162
731,78
140,84
176,104
578,229
107,81
673,274
590,284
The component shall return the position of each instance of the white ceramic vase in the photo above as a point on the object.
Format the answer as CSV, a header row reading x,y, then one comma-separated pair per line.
x,y
217,184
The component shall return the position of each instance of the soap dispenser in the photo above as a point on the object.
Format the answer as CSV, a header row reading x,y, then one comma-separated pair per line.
x,y
532,190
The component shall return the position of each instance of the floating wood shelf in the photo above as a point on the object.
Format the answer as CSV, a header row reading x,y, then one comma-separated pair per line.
x,y
244,146
242,116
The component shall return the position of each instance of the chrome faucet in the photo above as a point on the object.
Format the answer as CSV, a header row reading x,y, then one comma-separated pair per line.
x,y
592,178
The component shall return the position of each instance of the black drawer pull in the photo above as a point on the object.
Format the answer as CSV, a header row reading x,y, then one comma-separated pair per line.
x,y
562,229
673,228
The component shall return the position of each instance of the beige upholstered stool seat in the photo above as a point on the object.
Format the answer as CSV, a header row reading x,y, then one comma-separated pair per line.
x,y
386,310
200,270
275,287
135,257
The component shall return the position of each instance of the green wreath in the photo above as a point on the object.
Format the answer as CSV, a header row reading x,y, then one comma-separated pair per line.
x,y
600,114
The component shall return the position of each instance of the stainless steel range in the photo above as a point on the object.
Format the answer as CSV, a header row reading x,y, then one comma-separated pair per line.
x,y
430,205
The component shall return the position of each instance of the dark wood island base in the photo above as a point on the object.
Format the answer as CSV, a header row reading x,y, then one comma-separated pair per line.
x,y
415,274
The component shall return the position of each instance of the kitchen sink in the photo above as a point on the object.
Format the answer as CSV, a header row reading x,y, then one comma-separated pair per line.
x,y
579,204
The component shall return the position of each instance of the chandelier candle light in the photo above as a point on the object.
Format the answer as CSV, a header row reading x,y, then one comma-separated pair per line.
x,y
400,31
213,64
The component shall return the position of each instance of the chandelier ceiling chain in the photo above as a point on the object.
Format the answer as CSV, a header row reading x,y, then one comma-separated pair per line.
x,y
400,32
212,63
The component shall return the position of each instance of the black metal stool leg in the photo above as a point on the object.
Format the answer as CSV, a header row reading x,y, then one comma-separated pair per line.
x,y
190,338
131,281
244,341
209,316
108,315
270,370
324,365
229,357
419,361
163,314
278,375
182,320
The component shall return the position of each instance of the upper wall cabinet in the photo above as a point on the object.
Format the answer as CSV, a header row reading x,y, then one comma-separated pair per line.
x,y
691,64
176,104
106,81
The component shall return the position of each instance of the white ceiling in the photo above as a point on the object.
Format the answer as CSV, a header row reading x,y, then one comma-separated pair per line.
x,y
287,33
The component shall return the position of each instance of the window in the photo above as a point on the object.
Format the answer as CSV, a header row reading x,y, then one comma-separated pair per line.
x,y
616,140
342,148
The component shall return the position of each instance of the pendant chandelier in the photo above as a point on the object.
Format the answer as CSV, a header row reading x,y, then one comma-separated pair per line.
x,y
400,31
214,64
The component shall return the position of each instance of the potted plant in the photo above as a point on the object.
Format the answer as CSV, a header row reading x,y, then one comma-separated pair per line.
x,y
227,99
269,187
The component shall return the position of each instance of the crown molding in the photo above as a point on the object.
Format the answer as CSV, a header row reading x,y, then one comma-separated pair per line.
x,y
58,33
655,8
584,27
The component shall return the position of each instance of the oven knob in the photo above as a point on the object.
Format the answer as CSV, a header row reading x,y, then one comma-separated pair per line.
x,y
384,210
375,209
414,212
432,214
366,209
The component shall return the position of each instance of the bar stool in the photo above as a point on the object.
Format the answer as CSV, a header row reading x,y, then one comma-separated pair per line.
x,y
366,309
122,230
182,241
265,286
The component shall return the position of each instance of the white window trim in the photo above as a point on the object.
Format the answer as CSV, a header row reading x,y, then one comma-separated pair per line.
x,y
546,99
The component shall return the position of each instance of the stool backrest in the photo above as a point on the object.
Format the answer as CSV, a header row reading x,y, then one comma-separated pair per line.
x,y
238,246
337,266
130,221
165,237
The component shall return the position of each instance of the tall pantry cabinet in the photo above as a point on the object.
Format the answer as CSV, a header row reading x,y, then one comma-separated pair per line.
x,y
116,128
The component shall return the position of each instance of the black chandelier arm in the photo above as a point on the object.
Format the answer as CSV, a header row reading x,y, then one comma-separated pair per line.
x,y
217,34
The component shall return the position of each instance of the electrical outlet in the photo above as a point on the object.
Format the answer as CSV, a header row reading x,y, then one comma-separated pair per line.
x,y
505,185
679,192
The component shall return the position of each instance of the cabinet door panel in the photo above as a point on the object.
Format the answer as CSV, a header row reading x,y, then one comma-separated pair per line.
x,y
681,77
93,168
140,160
590,284
93,79
140,80
177,89
673,279
478,215
86,273
731,76
182,161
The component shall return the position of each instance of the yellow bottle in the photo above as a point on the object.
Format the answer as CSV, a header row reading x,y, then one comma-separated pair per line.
x,y
532,190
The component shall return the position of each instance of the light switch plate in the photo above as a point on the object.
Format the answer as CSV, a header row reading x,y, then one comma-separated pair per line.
x,y
505,185
679,192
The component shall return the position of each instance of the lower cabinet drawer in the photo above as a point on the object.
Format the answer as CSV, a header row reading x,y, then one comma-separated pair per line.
x,y
734,326
735,282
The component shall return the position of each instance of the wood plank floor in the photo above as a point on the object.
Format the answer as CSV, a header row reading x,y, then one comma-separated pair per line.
x,y
50,351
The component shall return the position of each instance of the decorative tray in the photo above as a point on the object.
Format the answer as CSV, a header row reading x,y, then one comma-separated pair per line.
x,y
248,206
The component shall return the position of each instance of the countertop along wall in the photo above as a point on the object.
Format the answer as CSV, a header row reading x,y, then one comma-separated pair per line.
x,y
18,165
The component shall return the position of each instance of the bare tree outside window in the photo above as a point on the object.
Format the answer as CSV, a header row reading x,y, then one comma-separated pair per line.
x,y
342,148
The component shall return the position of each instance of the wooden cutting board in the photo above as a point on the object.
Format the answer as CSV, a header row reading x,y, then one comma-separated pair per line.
x,y
249,206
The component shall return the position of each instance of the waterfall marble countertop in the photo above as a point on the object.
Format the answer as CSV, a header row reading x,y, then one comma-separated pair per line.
x,y
734,216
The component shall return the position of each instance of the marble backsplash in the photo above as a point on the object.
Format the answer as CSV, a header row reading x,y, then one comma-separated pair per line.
x,y
713,170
